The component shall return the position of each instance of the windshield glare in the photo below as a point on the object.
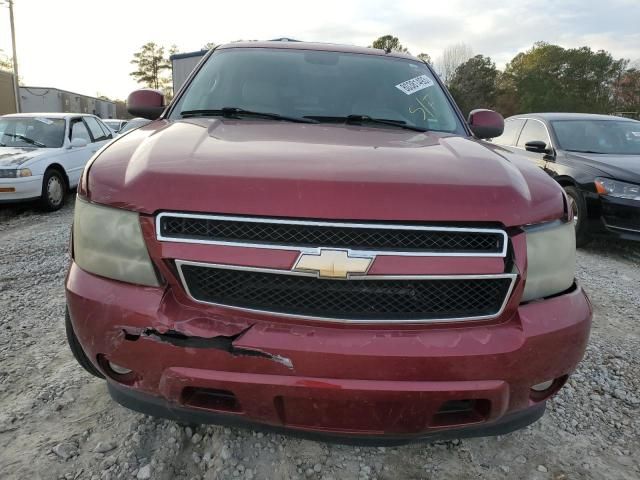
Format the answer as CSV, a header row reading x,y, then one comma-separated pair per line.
x,y
306,83
620,137
37,132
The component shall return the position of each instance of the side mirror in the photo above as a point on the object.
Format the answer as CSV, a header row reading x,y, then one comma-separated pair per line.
x,y
79,143
536,146
146,103
486,123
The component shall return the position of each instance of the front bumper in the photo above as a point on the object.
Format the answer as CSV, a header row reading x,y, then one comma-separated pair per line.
x,y
364,382
23,189
621,216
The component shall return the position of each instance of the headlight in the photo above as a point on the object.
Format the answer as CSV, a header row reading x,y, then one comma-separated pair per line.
x,y
616,188
108,242
23,172
551,259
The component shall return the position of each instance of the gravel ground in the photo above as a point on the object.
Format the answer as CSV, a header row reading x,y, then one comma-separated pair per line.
x,y
56,421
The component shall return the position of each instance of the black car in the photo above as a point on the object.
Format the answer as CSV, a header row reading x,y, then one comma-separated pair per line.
x,y
596,158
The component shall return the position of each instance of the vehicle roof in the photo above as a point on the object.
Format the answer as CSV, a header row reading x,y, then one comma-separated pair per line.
x,y
325,47
114,120
570,116
49,115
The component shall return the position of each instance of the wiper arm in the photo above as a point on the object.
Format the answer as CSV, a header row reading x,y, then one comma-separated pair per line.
x,y
30,141
230,112
583,151
368,119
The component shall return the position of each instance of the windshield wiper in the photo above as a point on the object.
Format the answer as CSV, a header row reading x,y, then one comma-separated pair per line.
x,y
230,112
584,151
30,141
368,119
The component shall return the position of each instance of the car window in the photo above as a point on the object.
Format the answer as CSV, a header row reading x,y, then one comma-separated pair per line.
x,y
95,128
324,86
620,137
79,130
533,130
106,130
510,135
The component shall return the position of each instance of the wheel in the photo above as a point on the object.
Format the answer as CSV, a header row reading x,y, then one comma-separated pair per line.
x,y
76,348
54,189
578,207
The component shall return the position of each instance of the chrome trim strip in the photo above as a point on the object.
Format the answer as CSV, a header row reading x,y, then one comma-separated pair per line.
x,y
512,276
633,230
315,250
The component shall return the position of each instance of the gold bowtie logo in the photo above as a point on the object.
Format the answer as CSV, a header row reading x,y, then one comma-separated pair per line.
x,y
332,264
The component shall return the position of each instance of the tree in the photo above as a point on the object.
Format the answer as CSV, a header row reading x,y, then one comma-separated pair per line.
x,y
452,57
425,57
551,78
389,43
627,92
6,63
209,46
151,65
474,84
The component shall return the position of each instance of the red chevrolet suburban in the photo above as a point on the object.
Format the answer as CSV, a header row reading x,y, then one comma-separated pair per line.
x,y
311,238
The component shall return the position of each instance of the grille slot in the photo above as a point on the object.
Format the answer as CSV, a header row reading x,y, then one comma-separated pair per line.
x,y
379,237
368,299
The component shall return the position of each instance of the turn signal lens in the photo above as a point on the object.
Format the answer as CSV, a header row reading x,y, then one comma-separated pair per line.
x,y
24,172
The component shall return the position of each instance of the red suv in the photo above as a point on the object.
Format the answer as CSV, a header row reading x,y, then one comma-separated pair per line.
x,y
312,238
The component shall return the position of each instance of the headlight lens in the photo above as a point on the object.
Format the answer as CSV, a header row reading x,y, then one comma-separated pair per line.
x,y
108,242
23,172
551,259
616,188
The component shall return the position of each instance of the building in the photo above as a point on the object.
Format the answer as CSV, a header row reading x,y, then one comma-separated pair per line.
x,y
7,95
45,99
182,64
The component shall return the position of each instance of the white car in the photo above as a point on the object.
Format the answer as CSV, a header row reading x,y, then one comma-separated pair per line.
x,y
42,154
115,124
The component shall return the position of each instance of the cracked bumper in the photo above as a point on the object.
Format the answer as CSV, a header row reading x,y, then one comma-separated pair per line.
x,y
337,380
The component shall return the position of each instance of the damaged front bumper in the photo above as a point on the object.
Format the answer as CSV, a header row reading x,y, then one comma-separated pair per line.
x,y
197,363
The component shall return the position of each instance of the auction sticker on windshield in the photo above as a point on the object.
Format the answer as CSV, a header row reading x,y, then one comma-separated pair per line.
x,y
414,85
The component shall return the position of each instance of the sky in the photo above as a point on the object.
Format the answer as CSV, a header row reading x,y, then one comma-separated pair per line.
x,y
86,46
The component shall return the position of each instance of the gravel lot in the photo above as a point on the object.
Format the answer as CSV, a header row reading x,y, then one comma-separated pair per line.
x,y
56,421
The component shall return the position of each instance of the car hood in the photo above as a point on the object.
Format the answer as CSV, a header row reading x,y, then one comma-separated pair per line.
x,y
283,169
623,167
13,157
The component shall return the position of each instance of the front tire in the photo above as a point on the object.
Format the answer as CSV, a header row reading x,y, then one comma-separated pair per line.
x,y
54,189
76,348
578,209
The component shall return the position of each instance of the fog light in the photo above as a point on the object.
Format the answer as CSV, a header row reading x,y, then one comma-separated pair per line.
x,y
118,369
541,387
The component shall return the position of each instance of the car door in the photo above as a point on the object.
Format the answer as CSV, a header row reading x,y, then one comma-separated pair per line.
x,y
76,157
534,130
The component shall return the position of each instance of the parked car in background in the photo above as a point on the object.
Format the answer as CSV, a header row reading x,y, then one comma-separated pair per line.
x,y
312,237
43,154
114,124
596,159
133,124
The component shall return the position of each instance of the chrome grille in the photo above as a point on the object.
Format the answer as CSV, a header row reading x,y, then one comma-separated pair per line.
x,y
367,299
280,233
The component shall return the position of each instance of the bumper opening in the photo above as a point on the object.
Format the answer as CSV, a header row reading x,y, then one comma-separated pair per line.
x,y
211,399
541,395
462,412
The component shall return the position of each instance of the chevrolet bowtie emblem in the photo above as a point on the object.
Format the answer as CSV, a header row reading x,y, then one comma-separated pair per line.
x,y
332,264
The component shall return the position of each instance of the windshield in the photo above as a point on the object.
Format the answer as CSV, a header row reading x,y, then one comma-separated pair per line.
x,y
322,86
38,132
112,124
620,137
